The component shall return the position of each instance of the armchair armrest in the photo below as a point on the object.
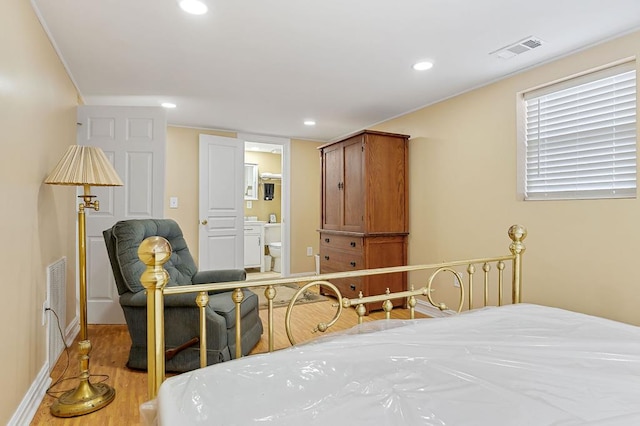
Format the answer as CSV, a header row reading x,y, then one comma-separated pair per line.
x,y
219,276
139,299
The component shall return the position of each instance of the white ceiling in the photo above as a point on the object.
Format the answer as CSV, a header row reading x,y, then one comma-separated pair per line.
x,y
264,66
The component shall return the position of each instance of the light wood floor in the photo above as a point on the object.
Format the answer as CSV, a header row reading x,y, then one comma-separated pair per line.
x,y
110,352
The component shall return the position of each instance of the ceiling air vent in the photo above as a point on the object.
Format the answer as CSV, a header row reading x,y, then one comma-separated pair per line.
x,y
515,49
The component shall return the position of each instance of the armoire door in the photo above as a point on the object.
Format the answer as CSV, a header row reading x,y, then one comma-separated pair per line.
x,y
353,188
332,172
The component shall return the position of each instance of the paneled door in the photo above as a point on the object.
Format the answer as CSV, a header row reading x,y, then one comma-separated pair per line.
x,y
343,186
332,178
221,235
134,140
353,204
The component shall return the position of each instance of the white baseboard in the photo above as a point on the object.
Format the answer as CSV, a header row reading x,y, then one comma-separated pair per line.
x,y
72,331
32,399
429,310
34,396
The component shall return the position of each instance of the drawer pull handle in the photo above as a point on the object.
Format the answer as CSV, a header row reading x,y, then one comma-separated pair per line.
x,y
326,240
353,243
326,258
352,287
353,264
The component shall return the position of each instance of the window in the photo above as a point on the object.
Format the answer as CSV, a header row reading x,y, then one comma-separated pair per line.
x,y
580,137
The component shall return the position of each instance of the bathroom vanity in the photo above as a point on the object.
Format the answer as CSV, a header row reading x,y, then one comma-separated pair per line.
x,y
254,244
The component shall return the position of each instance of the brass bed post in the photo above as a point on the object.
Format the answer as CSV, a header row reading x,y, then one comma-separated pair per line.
x,y
471,269
270,293
411,303
486,268
500,281
361,310
155,252
202,300
517,233
387,305
238,296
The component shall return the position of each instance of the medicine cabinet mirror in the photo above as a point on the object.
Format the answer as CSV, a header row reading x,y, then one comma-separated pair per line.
x,y
250,181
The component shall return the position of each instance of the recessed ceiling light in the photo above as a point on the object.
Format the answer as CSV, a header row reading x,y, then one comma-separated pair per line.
x,y
194,7
168,105
422,66
309,122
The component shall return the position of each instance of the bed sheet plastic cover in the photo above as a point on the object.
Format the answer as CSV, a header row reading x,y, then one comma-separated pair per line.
x,y
513,365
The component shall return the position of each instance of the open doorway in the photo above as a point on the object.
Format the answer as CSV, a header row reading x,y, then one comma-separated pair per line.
x,y
268,204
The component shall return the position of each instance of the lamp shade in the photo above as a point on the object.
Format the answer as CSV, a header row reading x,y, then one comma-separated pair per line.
x,y
84,165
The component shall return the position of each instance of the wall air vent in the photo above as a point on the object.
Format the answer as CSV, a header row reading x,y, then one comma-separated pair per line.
x,y
57,301
518,48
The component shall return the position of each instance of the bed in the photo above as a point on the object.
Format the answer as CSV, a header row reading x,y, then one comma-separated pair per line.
x,y
513,364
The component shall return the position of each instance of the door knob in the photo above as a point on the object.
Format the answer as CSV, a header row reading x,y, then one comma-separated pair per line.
x,y
204,221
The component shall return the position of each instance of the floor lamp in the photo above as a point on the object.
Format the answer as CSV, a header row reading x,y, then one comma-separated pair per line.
x,y
84,166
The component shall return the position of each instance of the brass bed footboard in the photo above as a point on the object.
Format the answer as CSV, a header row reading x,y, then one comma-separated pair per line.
x,y
155,251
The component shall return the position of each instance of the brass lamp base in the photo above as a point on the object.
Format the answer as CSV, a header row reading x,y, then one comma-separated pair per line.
x,y
84,399
87,397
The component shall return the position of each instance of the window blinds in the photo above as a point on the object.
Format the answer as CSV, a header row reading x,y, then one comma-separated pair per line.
x,y
581,137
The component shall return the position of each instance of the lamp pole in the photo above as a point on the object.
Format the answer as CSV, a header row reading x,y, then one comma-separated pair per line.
x,y
86,397
84,166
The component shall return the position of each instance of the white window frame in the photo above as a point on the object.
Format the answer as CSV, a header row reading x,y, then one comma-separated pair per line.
x,y
573,153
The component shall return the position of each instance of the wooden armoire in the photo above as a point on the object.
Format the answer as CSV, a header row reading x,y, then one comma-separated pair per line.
x,y
365,211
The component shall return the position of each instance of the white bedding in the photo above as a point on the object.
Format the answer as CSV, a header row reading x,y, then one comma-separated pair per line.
x,y
515,365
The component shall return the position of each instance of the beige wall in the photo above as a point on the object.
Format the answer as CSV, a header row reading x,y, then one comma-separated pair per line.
x,y
37,117
305,204
581,255
182,182
182,179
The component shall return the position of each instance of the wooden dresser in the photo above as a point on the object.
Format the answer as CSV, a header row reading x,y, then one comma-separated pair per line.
x,y
365,211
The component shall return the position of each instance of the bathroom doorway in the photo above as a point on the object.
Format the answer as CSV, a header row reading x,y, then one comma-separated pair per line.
x,y
272,206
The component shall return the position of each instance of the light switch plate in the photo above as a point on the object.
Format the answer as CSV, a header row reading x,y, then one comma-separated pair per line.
x,y
173,202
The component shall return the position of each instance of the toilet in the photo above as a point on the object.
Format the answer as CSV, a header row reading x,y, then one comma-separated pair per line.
x,y
272,238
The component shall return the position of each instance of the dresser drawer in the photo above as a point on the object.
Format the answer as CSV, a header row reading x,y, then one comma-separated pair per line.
x,y
349,287
340,242
341,260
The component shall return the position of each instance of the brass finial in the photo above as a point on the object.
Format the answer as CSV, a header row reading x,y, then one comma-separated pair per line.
x,y
517,233
154,252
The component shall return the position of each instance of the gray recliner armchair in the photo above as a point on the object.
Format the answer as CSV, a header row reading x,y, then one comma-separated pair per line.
x,y
181,313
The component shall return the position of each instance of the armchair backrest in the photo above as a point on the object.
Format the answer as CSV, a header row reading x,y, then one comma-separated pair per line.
x,y
123,240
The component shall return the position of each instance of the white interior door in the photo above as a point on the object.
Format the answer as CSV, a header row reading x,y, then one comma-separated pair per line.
x,y
134,139
221,236
285,144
